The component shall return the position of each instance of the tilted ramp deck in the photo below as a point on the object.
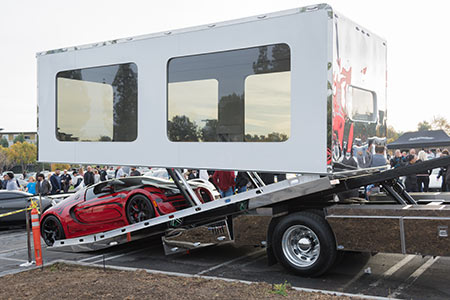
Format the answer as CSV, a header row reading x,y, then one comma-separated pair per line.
x,y
263,196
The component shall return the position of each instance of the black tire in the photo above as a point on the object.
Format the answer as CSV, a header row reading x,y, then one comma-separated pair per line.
x,y
52,230
309,247
138,209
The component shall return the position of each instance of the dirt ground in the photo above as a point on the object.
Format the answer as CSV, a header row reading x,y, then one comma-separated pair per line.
x,y
61,281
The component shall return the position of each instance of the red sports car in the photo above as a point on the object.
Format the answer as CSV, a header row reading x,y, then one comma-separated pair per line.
x,y
115,203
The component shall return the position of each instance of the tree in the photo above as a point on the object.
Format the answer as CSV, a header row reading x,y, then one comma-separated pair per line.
x,y
439,122
423,126
23,154
209,131
19,138
4,143
60,167
392,134
125,103
182,129
5,160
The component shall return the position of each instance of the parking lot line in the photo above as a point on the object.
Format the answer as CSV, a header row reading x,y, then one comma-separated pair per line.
x,y
393,269
230,262
13,259
117,256
414,276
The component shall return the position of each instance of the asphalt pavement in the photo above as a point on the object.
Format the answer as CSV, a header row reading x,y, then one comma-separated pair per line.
x,y
385,275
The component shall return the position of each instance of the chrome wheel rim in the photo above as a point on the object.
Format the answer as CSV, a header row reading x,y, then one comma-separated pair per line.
x,y
300,246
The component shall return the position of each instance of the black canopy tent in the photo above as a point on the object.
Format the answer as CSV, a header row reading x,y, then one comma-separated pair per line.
x,y
421,139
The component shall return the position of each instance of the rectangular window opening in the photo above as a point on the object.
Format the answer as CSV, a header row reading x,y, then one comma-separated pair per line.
x,y
361,104
231,96
97,104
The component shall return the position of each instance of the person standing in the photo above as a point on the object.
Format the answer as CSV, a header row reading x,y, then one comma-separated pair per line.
x,y
241,182
134,172
411,180
398,160
423,178
119,172
224,180
55,180
4,182
104,174
445,172
11,184
96,176
88,177
378,159
31,186
65,181
43,187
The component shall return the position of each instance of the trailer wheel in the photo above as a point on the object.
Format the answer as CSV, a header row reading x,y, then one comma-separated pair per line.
x,y
139,208
304,243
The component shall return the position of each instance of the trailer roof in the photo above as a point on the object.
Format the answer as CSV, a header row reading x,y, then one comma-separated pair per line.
x,y
255,18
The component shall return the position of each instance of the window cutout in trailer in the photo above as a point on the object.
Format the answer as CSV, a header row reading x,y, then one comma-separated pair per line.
x,y
97,104
231,96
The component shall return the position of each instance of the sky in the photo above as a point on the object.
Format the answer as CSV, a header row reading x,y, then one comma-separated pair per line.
x,y
416,33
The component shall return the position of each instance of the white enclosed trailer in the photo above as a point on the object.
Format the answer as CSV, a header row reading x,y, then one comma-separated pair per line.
x,y
283,92
300,91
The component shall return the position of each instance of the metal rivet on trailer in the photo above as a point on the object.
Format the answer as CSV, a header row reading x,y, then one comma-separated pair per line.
x,y
196,244
168,32
367,34
211,25
262,17
221,238
363,32
174,249
357,28
113,243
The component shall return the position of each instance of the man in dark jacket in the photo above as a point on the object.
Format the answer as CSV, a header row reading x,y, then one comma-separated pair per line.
x,y
43,187
88,177
65,181
55,180
104,174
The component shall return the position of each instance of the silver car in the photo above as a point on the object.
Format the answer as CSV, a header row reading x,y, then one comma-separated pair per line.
x,y
16,200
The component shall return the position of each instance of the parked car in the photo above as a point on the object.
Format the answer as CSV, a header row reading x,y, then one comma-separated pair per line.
x,y
16,200
115,203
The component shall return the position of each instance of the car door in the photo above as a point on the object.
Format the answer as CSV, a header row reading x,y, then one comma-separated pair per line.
x,y
101,205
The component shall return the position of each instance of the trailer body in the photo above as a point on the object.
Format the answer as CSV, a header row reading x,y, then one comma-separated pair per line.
x,y
301,91
304,83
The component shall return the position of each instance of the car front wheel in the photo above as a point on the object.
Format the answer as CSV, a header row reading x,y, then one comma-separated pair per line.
x,y
52,230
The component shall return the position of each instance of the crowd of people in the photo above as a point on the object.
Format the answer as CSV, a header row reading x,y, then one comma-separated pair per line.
x,y
61,182
420,182
376,156
230,182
